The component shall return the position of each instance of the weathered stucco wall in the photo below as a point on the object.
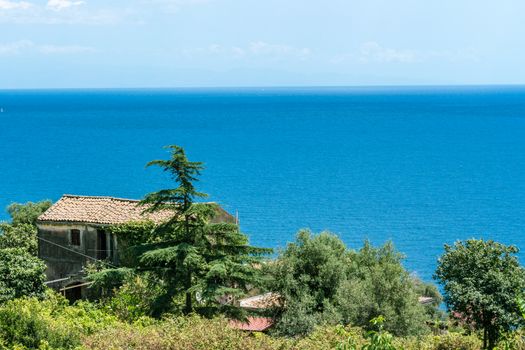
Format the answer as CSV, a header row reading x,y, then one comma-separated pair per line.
x,y
64,259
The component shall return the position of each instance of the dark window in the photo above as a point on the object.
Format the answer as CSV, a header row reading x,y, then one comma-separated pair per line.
x,y
73,292
102,246
75,237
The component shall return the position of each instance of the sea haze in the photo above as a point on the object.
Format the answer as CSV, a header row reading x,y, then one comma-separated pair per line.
x,y
419,166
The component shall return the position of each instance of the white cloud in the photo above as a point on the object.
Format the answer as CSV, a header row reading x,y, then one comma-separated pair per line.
x,y
72,49
22,46
41,16
466,54
174,6
263,48
372,52
61,12
58,5
216,50
14,5
253,49
75,12
14,47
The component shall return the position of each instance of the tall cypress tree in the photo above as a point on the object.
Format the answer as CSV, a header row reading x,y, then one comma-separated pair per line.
x,y
205,260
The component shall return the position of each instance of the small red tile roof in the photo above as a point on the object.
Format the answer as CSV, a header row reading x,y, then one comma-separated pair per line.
x,y
99,210
252,324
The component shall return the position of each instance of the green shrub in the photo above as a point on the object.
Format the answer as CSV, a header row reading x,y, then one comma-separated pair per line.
x,y
455,341
188,333
133,300
449,341
50,323
32,324
376,339
197,333
330,337
322,282
512,341
21,274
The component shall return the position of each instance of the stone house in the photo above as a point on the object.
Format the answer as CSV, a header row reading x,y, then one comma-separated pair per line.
x,y
73,232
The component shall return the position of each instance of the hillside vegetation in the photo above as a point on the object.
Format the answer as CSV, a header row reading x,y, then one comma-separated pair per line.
x,y
179,284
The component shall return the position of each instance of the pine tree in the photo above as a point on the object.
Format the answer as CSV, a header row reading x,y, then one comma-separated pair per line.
x,y
193,255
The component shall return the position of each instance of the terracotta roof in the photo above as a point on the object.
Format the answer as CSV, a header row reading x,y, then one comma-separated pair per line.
x,y
262,301
99,210
252,324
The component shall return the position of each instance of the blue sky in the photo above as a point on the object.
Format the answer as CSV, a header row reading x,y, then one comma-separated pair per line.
x,y
188,43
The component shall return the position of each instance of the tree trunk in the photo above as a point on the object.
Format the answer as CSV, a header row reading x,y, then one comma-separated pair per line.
x,y
187,283
485,337
493,337
189,306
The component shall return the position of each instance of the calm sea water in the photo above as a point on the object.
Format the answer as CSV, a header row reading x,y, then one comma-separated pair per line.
x,y
419,166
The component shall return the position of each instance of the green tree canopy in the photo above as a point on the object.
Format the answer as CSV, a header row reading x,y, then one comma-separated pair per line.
x,y
204,261
21,232
379,285
27,213
306,275
482,280
22,236
321,281
21,274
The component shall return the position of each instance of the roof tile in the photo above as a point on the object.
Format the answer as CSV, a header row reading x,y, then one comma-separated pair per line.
x,y
253,324
262,301
100,210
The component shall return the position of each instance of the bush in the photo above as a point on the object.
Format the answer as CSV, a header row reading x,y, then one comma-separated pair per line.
x,y
197,333
134,299
53,324
191,333
331,337
32,324
21,274
22,236
512,341
50,323
322,282
457,342
449,341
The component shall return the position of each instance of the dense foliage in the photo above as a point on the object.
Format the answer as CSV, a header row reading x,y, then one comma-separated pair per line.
x,y
208,263
50,323
53,324
193,266
21,231
22,236
482,280
27,213
21,272
320,281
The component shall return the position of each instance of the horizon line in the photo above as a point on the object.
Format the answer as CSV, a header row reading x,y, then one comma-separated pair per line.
x,y
274,87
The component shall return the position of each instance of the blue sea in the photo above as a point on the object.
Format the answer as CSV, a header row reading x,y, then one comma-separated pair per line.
x,y
421,166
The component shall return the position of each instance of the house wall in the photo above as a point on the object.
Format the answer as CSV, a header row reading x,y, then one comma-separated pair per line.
x,y
64,259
